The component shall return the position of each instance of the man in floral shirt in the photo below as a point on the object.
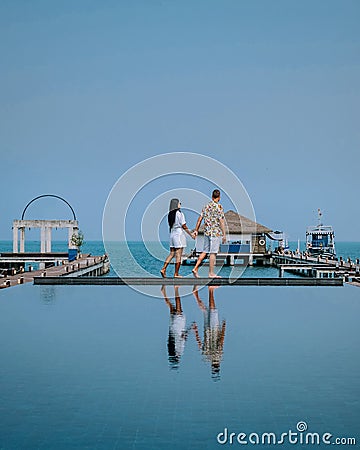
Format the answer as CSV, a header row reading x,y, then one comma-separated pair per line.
x,y
214,232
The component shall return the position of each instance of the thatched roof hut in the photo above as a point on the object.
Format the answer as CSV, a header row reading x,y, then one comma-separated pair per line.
x,y
238,224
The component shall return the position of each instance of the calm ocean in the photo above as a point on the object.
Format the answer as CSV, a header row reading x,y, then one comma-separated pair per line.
x,y
143,255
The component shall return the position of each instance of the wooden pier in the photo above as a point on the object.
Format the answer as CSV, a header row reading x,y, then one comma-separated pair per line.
x,y
317,267
86,265
310,270
224,259
87,270
324,264
296,263
16,268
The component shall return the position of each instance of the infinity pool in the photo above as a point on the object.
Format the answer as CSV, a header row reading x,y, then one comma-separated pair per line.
x,y
94,367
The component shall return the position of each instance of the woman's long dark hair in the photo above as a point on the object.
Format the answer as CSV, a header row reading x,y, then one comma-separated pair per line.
x,y
173,208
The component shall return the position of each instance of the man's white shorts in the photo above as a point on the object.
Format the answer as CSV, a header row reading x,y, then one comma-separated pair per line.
x,y
211,244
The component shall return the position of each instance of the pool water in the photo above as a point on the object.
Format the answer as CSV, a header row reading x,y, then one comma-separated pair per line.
x,y
105,367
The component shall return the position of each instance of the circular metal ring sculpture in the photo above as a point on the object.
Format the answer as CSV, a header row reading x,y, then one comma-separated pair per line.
x,y
48,195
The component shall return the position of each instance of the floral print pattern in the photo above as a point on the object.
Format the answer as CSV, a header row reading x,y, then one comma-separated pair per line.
x,y
212,213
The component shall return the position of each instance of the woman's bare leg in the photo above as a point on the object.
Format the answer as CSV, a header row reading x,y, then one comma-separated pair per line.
x,y
177,300
167,262
168,302
178,253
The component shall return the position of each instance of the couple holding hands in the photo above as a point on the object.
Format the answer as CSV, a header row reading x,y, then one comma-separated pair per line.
x,y
214,232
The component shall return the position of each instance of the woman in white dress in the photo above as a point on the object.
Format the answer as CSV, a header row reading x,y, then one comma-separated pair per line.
x,y
178,332
178,228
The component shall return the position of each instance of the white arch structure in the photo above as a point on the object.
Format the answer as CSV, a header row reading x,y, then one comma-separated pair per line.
x,y
45,228
45,232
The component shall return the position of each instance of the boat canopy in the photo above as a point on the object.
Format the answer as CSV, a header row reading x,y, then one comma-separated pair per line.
x,y
319,231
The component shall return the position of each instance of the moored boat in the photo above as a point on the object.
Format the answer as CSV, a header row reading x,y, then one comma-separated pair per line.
x,y
320,239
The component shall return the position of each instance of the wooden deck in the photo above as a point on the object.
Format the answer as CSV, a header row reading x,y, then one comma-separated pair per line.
x,y
341,265
187,281
317,267
86,265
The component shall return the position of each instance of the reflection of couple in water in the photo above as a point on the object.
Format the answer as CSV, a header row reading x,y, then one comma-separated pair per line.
x,y
212,344
214,232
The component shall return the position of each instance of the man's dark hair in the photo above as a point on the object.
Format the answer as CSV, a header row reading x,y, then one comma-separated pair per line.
x,y
216,193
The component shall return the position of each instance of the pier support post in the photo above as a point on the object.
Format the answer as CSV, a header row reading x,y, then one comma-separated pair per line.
x,y
48,240
42,240
22,239
15,239
70,233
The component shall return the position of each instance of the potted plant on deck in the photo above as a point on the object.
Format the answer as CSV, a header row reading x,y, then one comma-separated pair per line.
x,y
77,239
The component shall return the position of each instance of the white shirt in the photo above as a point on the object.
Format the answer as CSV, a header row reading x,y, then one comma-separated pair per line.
x,y
179,222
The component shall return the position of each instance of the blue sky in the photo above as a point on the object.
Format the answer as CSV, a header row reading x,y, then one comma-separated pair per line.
x,y
270,88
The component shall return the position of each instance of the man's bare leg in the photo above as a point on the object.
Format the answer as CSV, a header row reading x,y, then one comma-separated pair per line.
x,y
212,259
198,262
